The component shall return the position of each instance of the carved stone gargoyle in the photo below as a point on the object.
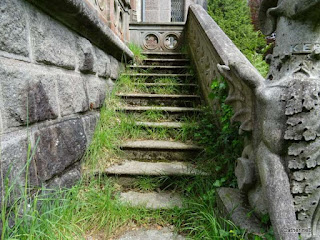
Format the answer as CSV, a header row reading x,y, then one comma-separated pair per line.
x,y
279,172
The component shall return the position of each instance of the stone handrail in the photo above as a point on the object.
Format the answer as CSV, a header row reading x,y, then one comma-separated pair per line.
x,y
210,46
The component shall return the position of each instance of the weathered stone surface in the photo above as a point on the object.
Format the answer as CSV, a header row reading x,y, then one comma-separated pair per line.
x,y
152,200
29,94
14,159
67,179
53,43
97,89
13,27
59,146
111,85
230,205
103,64
115,68
144,234
90,123
72,94
153,169
86,55
79,15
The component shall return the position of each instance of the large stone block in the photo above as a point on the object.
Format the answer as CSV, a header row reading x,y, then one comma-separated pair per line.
x,y
90,123
115,68
102,64
72,94
53,43
86,56
67,179
14,160
13,27
60,146
97,89
28,94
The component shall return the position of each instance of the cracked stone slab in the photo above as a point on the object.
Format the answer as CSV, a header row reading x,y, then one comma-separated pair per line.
x,y
153,169
151,234
152,200
154,144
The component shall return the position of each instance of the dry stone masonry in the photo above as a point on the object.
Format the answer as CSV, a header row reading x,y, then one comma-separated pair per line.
x,y
54,77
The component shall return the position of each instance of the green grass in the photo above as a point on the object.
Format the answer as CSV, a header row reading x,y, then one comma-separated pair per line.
x,y
137,51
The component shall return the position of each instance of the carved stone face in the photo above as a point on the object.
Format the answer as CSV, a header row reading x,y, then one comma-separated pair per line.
x,y
270,10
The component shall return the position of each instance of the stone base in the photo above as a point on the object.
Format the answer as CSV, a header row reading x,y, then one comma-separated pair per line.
x,y
230,207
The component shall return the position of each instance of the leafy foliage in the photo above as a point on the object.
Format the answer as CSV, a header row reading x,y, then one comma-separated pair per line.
x,y
233,16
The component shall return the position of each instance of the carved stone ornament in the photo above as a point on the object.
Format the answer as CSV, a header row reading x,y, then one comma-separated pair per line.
x,y
171,41
279,172
101,4
151,41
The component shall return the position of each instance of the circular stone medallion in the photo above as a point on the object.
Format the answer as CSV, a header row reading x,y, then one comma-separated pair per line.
x,y
171,41
151,41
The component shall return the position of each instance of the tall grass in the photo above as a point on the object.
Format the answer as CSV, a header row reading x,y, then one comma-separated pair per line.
x,y
137,51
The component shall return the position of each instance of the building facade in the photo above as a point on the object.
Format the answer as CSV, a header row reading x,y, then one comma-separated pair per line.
x,y
163,11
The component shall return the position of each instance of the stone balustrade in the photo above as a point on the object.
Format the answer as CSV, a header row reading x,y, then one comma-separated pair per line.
x,y
209,46
158,37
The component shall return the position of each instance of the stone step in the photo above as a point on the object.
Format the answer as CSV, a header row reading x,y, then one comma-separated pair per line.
x,y
168,113
152,77
166,62
160,150
138,168
143,99
160,69
152,200
151,234
160,124
184,88
165,55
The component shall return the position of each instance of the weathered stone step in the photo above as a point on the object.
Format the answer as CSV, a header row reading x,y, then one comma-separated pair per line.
x,y
153,76
166,62
168,113
143,99
160,150
152,200
160,69
161,109
160,124
151,234
187,88
138,168
165,55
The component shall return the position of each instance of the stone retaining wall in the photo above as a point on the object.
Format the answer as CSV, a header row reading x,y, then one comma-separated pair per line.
x,y
52,83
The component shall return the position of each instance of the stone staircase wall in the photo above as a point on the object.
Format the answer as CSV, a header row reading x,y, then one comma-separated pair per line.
x,y
52,83
209,46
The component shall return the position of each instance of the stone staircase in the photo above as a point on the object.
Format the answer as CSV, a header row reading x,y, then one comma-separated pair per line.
x,y
158,158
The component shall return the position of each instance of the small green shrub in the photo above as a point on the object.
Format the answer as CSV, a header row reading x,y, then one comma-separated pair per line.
x,y
137,51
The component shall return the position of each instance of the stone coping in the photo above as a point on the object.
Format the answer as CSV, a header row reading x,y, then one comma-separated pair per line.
x,y
80,16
